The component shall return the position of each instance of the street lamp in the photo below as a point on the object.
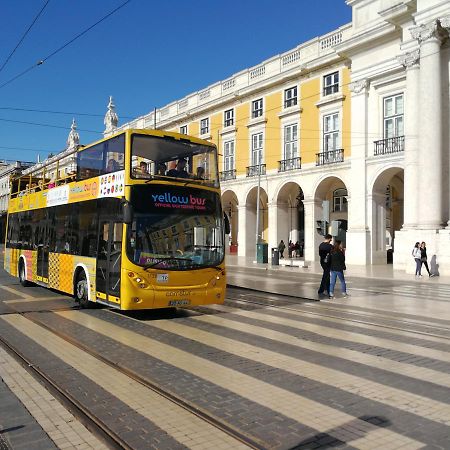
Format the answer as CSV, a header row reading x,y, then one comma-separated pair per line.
x,y
258,237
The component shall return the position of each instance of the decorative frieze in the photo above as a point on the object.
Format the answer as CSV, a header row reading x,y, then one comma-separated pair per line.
x,y
356,87
432,30
445,22
409,59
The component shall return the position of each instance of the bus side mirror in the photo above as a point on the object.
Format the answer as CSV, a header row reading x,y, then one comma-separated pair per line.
x,y
226,221
128,213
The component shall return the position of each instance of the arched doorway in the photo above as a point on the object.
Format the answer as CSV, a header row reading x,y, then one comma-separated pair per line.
x,y
331,212
387,213
291,215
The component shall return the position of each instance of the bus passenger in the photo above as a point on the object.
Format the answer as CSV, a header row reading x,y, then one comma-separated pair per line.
x,y
144,168
112,166
180,170
200,173
161,169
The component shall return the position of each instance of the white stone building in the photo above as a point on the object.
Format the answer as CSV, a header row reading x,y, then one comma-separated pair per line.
x,y
358,117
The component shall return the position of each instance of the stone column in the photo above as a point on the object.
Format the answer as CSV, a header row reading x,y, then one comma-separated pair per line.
x,y
357,241
445,23
429,186
410,61
273,226
242,220
312,237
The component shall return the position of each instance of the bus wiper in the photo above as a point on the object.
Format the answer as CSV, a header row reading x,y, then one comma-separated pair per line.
x,y
160,260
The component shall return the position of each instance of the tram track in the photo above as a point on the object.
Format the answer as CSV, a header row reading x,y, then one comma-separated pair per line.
x,y
99,428
90,421
283,299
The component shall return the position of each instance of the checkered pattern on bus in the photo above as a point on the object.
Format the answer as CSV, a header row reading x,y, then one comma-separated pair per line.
x,y
34,265
53,271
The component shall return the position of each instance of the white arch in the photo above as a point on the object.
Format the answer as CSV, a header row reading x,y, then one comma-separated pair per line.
x,y
88,280
380,171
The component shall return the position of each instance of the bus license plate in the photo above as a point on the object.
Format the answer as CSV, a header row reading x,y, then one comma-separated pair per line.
x,y
179,302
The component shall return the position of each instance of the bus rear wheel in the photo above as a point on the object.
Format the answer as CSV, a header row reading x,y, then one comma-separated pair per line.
x,y
22,275
81,290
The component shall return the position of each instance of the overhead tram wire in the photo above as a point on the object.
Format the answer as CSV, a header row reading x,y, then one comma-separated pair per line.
x,y
24,35
47,125
8,108
42,61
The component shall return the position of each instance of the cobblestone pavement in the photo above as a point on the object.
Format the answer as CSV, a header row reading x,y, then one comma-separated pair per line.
x,y
371,371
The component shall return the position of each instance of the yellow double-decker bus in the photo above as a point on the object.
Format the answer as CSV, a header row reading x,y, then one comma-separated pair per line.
x,y
138,226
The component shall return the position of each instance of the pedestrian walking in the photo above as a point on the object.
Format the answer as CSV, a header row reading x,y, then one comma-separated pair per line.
x,y
281,247
290,248
417,255
337,267
324,253
423,258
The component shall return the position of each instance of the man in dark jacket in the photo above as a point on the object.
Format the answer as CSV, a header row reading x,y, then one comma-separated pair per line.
x,y
324,253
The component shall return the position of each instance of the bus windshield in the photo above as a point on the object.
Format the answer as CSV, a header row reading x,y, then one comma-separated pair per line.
x,y
176,228
162,157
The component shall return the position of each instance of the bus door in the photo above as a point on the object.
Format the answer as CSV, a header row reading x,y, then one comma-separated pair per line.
x,y
42,241
109,261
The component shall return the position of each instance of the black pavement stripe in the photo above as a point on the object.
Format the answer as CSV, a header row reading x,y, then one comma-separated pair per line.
x,y
44,305
394,314
377,320
249,417
388,378
399,421
17,426
128,424
396,380
382,333
5,309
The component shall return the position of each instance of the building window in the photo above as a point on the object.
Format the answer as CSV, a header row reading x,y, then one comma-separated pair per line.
x,y
340,200
331,83
183,129
257,108
290,97
393,116
228,150
330,132
228,117
257,148
290,141
204,126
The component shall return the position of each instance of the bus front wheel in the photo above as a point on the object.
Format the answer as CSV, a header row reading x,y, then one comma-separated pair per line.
x,y
22,276
81,290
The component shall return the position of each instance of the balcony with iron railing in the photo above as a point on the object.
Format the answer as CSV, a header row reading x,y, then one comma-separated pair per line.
x,y
389,145
254,171
228,175
289,164
330,157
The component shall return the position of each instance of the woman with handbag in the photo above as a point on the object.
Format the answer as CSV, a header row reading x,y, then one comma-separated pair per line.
x,y
337,267
417,255
423,258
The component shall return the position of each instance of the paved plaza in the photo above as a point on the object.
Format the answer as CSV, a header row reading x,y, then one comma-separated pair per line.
x,y
370,371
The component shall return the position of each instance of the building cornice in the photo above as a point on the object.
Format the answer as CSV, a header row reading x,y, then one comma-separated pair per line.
x,y
367,39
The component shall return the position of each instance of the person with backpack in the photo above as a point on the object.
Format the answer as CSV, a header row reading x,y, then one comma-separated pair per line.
x,y
324,254
417,255
337,267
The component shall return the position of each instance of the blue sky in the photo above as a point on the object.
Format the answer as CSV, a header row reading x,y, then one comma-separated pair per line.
x,y
146,55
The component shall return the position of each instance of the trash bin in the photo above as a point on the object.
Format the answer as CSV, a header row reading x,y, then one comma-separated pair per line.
x,y
233,248
275,257
262,251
